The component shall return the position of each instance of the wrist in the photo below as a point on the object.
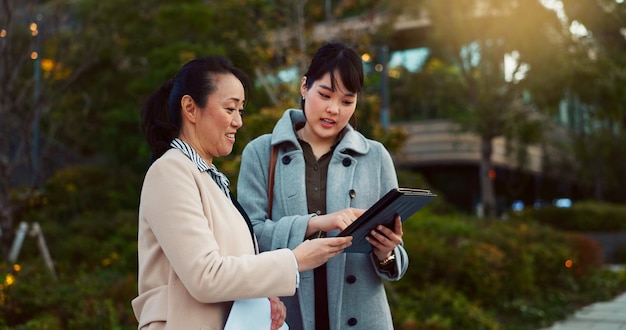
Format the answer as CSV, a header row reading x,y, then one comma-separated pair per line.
x,y
387,262
312,226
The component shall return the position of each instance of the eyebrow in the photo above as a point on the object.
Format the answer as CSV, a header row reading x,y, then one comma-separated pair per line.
x,y
235,99
330,89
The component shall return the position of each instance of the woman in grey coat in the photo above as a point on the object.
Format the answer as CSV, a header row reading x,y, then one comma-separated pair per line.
x,y
326,175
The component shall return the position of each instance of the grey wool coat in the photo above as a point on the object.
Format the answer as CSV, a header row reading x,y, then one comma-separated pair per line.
x,y
361,171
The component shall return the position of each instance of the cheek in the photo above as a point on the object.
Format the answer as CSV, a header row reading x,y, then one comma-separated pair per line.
x,y
311,103
347,113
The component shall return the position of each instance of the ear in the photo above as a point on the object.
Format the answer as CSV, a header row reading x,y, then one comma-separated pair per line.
x,y
303,88
189,109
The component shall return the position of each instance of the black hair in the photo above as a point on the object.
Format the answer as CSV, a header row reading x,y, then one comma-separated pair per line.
x,y
336,56
161,113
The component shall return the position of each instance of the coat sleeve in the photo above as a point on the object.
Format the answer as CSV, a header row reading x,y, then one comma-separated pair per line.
x,y
252,185
172,208
389,180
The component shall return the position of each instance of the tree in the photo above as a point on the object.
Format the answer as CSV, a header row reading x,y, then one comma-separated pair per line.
x,y
597,94
32,43
101,59
487,96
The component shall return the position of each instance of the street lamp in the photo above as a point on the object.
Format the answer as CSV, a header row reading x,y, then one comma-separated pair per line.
x,y
382,67
35,56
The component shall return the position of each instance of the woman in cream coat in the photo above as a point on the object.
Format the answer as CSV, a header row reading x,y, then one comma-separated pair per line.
x,y
196,249
359,171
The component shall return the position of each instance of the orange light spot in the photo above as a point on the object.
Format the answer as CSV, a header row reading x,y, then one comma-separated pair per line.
x,y
569,263
9,279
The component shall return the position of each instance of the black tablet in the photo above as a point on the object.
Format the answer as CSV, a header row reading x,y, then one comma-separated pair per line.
x,y
399,201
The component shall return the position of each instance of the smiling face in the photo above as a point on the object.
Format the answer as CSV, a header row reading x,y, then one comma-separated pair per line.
x,y
327,109
211,130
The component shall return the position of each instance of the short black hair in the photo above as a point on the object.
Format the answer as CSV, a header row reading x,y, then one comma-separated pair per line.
x,y
336,57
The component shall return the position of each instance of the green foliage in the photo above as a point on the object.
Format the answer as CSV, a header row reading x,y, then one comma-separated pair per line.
x,y
582,216
508,270
92,238
84,188
413,179
89,219
464,272
441,308
430,93
600,159
77,300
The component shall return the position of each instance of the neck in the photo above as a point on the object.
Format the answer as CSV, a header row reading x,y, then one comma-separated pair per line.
x,y
320,146
196,147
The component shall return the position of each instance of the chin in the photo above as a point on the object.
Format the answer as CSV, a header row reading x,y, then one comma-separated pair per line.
x,y
226,152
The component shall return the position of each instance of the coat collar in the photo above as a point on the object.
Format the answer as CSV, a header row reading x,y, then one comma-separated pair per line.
x,y
352,140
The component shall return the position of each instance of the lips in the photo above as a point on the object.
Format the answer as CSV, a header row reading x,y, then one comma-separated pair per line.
x,y
327,122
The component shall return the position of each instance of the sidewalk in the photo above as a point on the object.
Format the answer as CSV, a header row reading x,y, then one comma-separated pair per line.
x,y
607,315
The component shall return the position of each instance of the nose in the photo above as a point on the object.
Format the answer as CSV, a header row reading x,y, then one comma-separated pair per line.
x,y
237,120
332,108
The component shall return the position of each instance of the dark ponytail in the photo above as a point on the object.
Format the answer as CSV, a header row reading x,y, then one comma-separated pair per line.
x,y
156,122
161,113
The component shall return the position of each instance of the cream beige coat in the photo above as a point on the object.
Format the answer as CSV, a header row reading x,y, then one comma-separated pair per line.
x,y
195,251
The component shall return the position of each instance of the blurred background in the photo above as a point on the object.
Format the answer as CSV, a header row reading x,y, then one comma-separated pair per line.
x,y
513,112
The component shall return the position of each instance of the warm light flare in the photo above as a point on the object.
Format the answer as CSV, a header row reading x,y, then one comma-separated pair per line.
x,y
33,29
47,64
3,33
9,279
569,263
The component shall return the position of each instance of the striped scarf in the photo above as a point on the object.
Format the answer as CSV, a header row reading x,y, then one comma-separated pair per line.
x,y
220,179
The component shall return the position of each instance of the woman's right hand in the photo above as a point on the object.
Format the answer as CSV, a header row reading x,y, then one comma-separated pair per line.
x,y
314,253
336,220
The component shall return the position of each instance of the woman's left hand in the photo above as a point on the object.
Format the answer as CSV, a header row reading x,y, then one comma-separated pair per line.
x,y
384,240
279,312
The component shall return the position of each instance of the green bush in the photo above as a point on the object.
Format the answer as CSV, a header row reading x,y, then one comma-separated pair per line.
x,y
412,179
79,189
464,273
95,300
441,308
509,269
582,216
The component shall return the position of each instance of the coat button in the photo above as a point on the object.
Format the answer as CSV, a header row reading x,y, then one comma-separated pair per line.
x,y
346,162
352,193
351,279
352,321
286,160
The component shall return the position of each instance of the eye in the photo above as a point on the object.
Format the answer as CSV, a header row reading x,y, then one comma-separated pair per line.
x,y
230,110
324,96
348,102
242,112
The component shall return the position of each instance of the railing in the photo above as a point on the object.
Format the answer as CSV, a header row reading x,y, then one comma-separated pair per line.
x,y
441,142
